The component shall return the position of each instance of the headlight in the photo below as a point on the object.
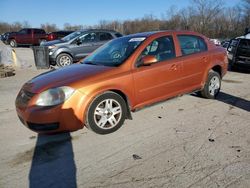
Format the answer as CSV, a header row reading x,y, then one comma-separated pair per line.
x,y
51,47
54,96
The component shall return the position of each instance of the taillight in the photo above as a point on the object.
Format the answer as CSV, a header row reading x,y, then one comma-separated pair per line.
x,y
51,37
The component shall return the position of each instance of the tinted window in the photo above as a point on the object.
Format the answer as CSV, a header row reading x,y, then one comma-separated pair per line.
x,y
118,35
105,36
244,43
88,37
191,44
162,48
39,31
23,31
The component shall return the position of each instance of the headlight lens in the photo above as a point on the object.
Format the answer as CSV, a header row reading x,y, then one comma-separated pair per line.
x,y
51,47
54,96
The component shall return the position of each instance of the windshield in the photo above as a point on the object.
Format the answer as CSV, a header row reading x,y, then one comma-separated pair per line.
x,y
72,36
115,52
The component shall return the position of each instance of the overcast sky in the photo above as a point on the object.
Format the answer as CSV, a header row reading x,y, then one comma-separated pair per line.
x,y
83,12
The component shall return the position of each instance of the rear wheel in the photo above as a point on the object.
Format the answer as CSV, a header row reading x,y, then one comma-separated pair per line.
x,y
13,43
63,60
212,85
106,113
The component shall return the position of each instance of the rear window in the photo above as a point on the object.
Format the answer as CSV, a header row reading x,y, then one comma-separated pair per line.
x,y
191,44
118,35
105,36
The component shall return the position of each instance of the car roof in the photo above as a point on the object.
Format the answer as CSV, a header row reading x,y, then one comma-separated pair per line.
x,y
104,30
150,33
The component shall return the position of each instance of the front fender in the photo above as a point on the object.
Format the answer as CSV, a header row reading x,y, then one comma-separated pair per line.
x,y
63,50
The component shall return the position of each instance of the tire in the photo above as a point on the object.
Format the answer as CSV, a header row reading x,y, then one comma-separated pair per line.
x,y
100,116
63,60
231,67
13,43
212,85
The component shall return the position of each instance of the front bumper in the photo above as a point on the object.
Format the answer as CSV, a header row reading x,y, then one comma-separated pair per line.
x,y
68,116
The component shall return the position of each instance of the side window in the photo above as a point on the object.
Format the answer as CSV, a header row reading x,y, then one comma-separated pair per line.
x,y
191,44
162,48
23,31
105,36
28,31
39,31
36,31
89,37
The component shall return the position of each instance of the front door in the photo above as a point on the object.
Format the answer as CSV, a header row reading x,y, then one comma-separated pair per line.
x,y
161,79
84,45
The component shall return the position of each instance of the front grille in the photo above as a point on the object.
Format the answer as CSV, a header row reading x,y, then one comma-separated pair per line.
x,y
24,97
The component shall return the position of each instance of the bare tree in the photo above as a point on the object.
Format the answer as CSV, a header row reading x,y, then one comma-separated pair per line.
x,y
49,27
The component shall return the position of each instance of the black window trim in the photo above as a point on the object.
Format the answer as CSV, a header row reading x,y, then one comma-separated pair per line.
x,y
182,55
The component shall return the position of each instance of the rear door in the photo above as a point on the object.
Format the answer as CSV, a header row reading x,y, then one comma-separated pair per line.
x,y
195,58
161,79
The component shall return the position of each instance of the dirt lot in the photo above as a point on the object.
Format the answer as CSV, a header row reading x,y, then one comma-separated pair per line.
x,y
184,142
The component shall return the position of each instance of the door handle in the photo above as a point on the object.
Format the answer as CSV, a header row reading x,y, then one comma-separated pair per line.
x,y
173,67
204,59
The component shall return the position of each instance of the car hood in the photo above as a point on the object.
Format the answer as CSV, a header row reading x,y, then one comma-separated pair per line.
x,y
53,42
64,77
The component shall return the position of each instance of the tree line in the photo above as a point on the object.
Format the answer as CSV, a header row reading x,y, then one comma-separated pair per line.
x,y
208,17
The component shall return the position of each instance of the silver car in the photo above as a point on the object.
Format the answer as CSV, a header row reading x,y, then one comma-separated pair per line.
x,y
77,45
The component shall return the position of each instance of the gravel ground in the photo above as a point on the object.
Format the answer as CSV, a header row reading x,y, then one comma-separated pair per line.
x,y
184,142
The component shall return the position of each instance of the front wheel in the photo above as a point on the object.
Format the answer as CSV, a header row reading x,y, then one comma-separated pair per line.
x,y
106,113
13,43
212,85
63,60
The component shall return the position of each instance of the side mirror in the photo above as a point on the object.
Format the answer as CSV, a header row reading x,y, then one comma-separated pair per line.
x,y
78,41
148,60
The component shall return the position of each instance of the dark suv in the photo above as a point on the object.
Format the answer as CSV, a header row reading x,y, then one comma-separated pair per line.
x,y
77,45
239,53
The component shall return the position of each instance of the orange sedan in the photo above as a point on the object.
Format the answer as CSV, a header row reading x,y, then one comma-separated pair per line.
x,y
123,75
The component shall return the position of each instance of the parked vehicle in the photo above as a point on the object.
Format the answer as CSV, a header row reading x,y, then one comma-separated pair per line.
x,y
57,35
123,75
5,37
225,44
239,53
77,45
27,36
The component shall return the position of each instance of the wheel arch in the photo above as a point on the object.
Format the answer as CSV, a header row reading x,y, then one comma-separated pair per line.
x,y
126,99
65,52
100,92
218,69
